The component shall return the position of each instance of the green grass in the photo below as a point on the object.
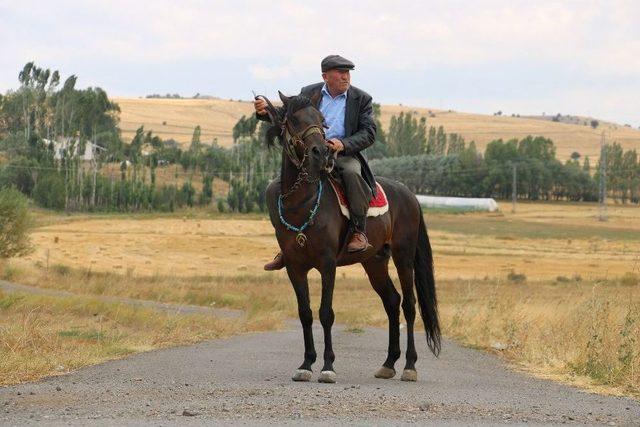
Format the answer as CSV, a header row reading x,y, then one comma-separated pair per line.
x,y
510,229
83,335
449,210
45,217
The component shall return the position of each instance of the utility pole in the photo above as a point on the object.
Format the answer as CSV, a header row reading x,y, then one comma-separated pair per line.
x,y
514,188
603,180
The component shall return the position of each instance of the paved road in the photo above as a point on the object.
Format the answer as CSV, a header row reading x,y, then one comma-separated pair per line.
x,y
245,380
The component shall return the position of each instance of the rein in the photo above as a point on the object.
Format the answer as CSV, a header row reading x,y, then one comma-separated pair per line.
x,y
289,147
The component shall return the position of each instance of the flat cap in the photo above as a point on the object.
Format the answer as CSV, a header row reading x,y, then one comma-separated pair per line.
x,y
336,62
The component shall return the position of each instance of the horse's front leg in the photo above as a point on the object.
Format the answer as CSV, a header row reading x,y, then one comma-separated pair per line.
x,y
300,284
328,272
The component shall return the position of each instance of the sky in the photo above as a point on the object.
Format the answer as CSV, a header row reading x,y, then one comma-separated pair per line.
x,y
522,57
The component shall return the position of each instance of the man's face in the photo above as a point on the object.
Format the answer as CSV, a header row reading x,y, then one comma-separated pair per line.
x,y
337,80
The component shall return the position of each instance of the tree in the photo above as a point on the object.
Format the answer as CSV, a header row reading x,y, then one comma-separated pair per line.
x,y
441,142
455,144
407,135
246,126
594,123
195,140
431,141
15,223
380,148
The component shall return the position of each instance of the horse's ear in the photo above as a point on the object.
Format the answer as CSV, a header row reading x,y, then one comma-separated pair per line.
x,y
283,98
315,98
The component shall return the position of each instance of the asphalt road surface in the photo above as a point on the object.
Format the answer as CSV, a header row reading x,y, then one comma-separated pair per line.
x,y
246,380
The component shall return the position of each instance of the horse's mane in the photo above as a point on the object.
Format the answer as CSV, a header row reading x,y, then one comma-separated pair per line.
x,y
294,104
298,103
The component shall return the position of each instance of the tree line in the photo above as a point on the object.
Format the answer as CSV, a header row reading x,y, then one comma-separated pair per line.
x,y
124,175
121,175
430,161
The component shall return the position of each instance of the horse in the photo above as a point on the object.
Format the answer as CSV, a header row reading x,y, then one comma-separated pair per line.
x,y
312,232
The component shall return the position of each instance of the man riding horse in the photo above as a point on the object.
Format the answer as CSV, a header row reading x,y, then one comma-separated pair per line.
x,y
348,114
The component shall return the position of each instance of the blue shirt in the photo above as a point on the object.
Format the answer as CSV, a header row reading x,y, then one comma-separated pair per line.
x,y
333,110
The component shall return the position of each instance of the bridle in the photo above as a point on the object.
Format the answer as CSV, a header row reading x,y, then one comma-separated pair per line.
x,y
293,139
290,140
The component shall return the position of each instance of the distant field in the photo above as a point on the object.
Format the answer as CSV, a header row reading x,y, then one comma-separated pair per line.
x,y
176,118
542,241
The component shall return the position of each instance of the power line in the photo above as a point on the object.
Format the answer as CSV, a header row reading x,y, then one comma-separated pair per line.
x,y
505,168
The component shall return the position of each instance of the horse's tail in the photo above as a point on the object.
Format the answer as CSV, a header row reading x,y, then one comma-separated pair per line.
x,y
426,288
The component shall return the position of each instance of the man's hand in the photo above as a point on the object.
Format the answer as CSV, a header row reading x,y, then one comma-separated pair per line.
x,y
261,106
335,144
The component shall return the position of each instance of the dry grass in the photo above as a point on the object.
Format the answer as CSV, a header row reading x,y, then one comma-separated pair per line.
x,y
176,118
44,335
558,290
542,240
581,332
584,333
217,117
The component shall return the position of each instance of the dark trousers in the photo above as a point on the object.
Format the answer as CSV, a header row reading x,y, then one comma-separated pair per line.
x,y
356,188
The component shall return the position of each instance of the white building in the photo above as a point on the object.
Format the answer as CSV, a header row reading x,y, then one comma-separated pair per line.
x,y
465,203
59,147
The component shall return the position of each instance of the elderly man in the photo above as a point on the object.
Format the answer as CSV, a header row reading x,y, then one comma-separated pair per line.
x,y
348,113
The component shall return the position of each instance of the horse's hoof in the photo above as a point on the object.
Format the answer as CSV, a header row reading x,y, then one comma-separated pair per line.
x,y
327,377
409,375
302,375
385,373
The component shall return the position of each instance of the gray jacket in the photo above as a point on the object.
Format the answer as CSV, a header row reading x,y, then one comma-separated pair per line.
x,y
359,125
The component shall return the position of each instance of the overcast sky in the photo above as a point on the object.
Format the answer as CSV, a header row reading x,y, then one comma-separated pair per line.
x,y
526,57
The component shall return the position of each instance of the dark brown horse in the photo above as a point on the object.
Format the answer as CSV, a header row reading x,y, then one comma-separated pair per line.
x,y
311,232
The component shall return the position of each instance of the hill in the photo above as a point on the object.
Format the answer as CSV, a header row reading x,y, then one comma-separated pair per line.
x,y
176,118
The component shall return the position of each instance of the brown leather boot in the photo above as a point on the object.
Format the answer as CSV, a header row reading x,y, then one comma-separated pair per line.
x,y
358,242
276,264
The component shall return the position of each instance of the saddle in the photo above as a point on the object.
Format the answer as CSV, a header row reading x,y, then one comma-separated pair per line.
x,y
379,205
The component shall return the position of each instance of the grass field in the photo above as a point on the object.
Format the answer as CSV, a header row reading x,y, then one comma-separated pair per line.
x,y
176,118
45,335
557,291
543,241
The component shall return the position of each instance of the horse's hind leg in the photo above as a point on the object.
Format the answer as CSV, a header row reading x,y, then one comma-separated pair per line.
x,y
301,288
404,265
377,269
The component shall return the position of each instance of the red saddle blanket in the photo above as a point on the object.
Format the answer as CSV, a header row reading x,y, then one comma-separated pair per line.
x,y
377,205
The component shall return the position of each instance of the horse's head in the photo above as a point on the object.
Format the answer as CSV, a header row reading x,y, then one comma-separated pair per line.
x,y
302,135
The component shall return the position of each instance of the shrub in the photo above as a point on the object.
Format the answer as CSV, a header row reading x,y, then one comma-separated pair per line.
x,y
220,205
186,195
15,222
630,279
49,191
61,269
516,277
